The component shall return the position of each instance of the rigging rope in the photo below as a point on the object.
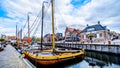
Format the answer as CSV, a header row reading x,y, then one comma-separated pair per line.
x,y
32,27
39,23
36,25
60,14
24,26
35,22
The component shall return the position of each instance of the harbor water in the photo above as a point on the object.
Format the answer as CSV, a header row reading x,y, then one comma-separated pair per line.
x,y
98,60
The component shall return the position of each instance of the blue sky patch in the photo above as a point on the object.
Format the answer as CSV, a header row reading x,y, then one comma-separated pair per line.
x,y
3,13
78,3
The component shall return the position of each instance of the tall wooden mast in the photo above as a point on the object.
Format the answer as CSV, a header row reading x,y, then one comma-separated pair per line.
x,y
42,23
53,39
28,29
16,32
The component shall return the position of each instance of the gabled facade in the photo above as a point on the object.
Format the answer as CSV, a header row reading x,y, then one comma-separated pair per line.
x,y
27,39
99,32
72,34
48,37
11,37
114,35
59,36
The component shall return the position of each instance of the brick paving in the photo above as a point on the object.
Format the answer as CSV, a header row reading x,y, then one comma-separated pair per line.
x,y
9,58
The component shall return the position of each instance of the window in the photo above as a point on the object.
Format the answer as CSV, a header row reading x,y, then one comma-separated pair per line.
x,y
95,35
84,36
100,34
68,33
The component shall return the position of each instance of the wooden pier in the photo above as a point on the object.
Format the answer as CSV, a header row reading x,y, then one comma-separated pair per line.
x,y
10,58
92,47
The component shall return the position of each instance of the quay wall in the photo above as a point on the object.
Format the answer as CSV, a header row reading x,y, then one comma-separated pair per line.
x,y
92,47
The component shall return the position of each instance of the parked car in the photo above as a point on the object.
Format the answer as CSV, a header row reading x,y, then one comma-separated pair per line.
x,y
1,46
116,37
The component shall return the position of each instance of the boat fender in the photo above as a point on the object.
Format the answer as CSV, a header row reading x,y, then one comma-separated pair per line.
x,y
36,54
23,55
83,50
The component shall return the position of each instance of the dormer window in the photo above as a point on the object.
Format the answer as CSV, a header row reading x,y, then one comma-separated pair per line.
x,y
91,29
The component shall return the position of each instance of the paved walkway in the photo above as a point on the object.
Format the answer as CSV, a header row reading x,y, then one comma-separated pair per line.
x,y
9,58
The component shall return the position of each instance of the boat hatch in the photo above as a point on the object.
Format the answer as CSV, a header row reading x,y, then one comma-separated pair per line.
x,y
45,54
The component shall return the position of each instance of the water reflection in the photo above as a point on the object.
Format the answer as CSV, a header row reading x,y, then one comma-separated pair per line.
x,y
98,60
94,62
104,58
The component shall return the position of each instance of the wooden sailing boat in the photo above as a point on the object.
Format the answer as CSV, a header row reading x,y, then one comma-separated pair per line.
x,y
53,56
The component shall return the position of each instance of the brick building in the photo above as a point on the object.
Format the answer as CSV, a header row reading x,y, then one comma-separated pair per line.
x,y
72,34
99,32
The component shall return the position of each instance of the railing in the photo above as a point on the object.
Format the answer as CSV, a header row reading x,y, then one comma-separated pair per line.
x,y
93,47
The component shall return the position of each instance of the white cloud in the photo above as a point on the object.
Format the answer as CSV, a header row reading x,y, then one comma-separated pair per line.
x,y
106,11
66,13
7,31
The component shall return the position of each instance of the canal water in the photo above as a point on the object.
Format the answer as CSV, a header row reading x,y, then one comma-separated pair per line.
x,y
92,60
98,60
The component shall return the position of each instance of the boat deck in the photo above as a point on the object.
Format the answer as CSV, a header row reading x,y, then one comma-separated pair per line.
x,y
10,58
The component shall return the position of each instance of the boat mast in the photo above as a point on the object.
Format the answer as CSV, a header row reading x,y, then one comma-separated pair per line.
x,y
42,23
17,38
28,28
16,32
53,40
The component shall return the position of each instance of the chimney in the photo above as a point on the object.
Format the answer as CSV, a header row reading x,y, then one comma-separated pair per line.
x,y
98,22
87,25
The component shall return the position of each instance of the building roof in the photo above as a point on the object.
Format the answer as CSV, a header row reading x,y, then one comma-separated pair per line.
x,y
27,39
47,35
79,31
70,29
11,37
73,30
96,27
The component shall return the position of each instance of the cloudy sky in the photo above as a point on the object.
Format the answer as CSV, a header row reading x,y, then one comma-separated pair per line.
x,y
68,13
